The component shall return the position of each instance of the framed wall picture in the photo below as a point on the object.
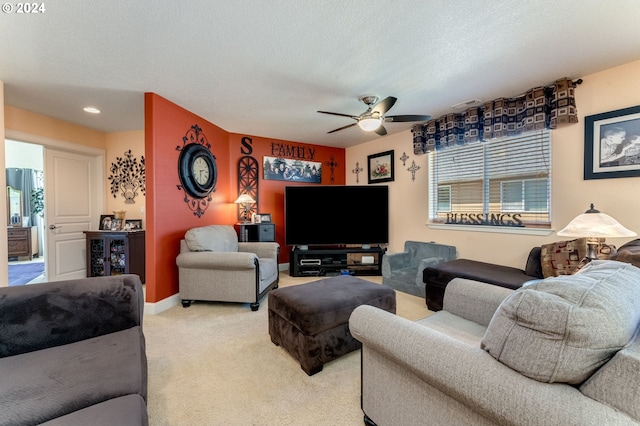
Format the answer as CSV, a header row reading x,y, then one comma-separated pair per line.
x,y
278,168
380,167
133,224
105,222
612,144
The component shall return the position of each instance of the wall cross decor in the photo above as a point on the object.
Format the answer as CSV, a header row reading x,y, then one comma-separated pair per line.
x,y
127,177
404,159
332,163
357,171
413,169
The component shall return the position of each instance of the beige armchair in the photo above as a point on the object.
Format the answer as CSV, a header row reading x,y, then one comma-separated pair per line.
x,y
214,266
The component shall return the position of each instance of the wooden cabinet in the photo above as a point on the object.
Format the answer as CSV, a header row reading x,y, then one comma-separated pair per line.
x,y
23,241
256,232
115,253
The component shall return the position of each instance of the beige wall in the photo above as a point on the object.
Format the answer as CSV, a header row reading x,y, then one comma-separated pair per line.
x,y
117,144
605,91
23,121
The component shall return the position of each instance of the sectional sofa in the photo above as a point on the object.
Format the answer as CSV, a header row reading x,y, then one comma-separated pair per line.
x,y
73,353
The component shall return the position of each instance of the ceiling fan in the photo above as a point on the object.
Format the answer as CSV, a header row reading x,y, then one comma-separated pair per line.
x,y
374,116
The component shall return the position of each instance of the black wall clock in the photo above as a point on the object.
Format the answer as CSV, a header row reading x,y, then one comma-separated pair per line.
x,y
197,170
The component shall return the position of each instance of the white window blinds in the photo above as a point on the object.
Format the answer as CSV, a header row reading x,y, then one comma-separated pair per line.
x,y
502,182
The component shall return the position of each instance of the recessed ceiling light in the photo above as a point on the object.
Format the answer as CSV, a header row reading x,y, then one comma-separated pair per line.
x,y
92,110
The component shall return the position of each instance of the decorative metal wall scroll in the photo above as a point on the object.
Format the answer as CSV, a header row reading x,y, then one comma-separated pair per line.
x,y
127,177
248,183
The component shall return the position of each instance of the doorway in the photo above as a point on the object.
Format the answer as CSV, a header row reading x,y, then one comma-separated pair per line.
x,y
73,188
24,167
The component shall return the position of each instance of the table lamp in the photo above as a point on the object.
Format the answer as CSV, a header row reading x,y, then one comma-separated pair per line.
x,y
245,200
595,225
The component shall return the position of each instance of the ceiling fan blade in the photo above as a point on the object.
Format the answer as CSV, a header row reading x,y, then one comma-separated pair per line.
x,y
381,130
337,113
342,128
384,105
406,118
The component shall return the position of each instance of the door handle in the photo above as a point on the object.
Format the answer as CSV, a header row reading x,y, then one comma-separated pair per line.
x,y
52,227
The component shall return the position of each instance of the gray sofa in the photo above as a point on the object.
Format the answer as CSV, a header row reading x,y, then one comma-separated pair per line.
x,y
403,271
73,353
563,351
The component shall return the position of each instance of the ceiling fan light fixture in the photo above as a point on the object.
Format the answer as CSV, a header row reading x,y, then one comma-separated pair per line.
x,y
369,124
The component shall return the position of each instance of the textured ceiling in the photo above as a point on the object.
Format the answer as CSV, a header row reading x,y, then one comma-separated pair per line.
x,y
264,68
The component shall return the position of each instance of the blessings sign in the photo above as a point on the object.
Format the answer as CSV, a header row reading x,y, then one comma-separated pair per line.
x,y
487,219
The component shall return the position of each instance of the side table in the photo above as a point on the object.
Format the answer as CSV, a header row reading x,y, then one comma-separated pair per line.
x,y
255,232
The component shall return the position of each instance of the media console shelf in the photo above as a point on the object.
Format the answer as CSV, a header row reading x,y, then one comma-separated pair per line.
x,y
331,261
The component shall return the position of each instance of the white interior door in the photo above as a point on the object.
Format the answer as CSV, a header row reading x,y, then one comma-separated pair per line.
x,y
71,203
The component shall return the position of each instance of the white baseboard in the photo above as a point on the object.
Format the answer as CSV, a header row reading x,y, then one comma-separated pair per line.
x,y
163,305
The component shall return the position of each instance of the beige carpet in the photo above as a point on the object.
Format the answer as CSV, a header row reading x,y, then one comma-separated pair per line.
x,y
214,364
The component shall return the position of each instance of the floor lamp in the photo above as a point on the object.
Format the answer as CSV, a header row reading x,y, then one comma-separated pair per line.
x,y
595,226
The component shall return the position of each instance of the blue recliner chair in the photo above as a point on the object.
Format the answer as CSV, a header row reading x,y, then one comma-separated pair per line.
x,y
403,271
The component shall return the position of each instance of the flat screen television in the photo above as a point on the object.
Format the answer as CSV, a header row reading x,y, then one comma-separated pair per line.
x,y
336,215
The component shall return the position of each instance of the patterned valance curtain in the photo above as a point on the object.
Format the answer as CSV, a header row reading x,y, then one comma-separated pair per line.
x,y
539,108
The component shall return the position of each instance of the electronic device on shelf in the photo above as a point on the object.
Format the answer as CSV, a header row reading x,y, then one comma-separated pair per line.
x,y
335,260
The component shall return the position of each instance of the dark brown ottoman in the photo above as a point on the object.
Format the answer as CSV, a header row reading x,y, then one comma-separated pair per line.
x,y
311,321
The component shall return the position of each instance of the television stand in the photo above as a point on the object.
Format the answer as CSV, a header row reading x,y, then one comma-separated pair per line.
x,y
321,261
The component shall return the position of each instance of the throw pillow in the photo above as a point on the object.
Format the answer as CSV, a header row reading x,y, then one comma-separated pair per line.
x,y
562,329
566,257
219,238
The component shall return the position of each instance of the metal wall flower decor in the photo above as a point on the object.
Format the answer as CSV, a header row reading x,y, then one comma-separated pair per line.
x,y
127,177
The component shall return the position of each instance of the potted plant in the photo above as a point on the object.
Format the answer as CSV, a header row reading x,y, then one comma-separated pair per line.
x,y
37,201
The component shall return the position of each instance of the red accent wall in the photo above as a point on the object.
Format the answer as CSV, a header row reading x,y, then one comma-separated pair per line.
x,y
271,192
169,217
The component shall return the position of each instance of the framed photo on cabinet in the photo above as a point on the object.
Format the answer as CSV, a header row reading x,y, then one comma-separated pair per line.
x,y
106,221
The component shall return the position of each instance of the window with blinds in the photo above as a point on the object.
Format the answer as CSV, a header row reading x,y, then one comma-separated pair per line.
x,y
502,182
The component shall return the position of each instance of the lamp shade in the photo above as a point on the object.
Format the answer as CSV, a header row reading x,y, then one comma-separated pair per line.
x,y
244,198
369,123
593,223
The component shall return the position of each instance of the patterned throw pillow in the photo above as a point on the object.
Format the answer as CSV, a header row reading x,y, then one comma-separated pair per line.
x,y
566,257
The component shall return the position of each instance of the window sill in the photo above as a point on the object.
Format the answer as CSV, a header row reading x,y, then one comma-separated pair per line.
x,y
492,229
